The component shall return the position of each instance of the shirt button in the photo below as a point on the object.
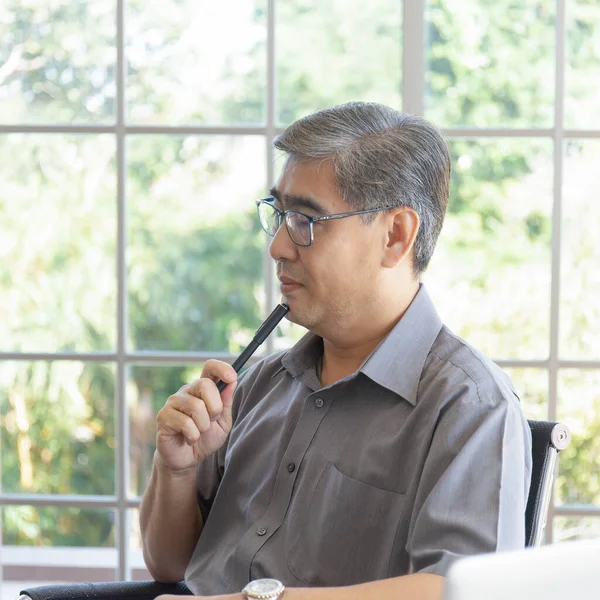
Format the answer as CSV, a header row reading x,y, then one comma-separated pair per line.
x,y
319,402
291,467
261,531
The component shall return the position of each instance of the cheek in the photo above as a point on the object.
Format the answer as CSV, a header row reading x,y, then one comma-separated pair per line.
x,y
342,265
362,266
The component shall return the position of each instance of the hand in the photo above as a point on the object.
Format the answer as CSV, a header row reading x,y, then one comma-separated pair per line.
x,y
195,422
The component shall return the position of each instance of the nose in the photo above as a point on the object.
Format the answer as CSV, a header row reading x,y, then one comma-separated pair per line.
x,y
282,247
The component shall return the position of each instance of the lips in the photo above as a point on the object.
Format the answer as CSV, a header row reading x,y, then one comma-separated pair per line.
x,y
288,280
287,284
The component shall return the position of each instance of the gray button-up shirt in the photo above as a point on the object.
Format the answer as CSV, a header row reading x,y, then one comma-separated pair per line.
x,y
420,457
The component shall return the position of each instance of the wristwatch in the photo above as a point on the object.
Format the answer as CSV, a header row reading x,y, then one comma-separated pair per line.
x,y
264,589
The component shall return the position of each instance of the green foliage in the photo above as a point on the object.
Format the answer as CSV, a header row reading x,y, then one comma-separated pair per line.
x,y
577,485
335,51
29,526
58,61
204,291
477,52
579,407
71,432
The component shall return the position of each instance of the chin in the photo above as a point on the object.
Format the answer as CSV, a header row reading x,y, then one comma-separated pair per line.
x,y
294,314
301,315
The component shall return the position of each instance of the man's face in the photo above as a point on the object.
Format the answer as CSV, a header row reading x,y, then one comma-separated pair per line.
x,y
333,282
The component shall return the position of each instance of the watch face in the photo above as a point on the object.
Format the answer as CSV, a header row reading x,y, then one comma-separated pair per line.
x,y
263,586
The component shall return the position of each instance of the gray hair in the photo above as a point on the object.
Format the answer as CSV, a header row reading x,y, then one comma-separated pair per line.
x,y
380,157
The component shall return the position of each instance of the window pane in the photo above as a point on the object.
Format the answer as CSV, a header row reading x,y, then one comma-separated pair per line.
x,y
582,110
337,51
532,387
490,276
57,61
148,388
580,269
191,62
490,64
568,529
57,242
579,409
196,250
56,545
58,427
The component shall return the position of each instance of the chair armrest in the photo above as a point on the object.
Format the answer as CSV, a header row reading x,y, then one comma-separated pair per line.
x,y
119,590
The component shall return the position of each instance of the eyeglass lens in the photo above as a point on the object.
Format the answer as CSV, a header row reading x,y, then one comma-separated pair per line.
x,y
298,225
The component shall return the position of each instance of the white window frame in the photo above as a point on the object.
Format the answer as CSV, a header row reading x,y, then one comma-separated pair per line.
x,y
413,101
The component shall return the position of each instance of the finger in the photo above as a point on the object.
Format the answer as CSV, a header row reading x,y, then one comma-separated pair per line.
x,y
218,405
217,370
195,408
207,392
173,422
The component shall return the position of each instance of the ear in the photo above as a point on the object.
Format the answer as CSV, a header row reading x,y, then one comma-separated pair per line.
x,y
402,227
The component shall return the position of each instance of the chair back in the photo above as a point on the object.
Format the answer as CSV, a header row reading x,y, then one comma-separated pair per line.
x,y
547,440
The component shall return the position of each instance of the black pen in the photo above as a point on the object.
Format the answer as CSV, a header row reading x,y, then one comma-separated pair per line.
x,y
262,333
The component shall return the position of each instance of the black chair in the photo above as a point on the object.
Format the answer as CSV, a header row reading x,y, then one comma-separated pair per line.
x,y
548,439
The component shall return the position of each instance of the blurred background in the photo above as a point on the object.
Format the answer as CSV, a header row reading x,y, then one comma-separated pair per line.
x,y
134,138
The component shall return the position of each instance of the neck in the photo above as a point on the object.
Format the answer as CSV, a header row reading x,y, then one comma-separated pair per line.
x,y
345,352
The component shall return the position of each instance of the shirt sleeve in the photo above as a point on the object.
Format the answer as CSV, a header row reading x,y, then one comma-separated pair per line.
x,y
472,495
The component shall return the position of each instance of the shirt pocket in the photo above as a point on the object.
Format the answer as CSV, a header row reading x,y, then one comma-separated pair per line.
x,y
347,534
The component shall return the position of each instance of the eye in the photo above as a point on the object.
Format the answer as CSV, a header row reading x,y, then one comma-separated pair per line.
x,y
298,220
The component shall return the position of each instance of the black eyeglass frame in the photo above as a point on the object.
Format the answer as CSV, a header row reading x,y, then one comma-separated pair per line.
x,y
282,216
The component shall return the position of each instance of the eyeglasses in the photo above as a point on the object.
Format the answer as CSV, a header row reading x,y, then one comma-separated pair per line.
x,y
299,226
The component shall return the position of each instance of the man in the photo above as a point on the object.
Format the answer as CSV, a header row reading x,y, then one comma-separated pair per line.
x,y
378,450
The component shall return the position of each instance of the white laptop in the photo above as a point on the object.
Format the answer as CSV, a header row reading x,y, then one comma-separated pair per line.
x,y
566,571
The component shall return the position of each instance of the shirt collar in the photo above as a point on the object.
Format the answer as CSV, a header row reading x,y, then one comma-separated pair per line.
x,y
397,362
303,355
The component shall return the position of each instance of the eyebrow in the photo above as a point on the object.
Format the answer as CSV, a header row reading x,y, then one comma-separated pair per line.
x,y
298,201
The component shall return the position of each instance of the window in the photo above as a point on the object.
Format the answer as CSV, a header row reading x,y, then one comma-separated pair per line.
x,y
134,137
